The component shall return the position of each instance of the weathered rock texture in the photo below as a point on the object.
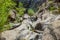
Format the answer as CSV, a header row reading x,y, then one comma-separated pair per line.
x,y
45,27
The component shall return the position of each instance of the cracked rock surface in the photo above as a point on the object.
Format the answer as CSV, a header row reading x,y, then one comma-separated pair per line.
x,y
45,28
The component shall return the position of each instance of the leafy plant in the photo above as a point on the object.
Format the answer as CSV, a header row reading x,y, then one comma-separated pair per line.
x,y
5,6
21,9
59,9
21,4
30,12
51,8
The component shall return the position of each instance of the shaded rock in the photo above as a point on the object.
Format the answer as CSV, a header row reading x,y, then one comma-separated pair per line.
x,y
23,32
33,18
35,28
2,38
26,16
12,15
58,1
47,35
52,31
58,17
56,27
39,27
14,26
56,24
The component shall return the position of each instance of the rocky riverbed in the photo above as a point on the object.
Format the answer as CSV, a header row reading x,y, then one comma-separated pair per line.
x,y
44,27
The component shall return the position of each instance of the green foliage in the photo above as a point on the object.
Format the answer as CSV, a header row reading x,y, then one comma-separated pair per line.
x,y
50,0
5,6
59,9
51,8
21,9
30,12
21,4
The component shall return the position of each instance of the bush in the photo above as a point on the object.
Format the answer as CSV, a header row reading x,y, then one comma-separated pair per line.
x,y
20,9
30,12
5,6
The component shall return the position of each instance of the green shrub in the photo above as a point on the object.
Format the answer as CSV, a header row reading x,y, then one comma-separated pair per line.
x,y
30,12
21,4
5,6
21,9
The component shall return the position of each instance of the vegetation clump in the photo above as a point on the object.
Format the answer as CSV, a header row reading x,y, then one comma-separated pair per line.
x,y
30,12
5,6
20,9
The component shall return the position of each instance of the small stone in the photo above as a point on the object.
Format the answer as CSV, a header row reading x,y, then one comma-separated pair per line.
x,y
26,16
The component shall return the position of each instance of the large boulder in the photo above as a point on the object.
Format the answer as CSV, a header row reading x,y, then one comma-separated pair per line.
x,y
52,32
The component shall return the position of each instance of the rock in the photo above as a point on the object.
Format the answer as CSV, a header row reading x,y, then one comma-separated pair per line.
x,y
35,28
27,35
21,19
52,32
48,37
56,24
12,15
26,16
39,27
21,32
56,27
58,17
58,1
